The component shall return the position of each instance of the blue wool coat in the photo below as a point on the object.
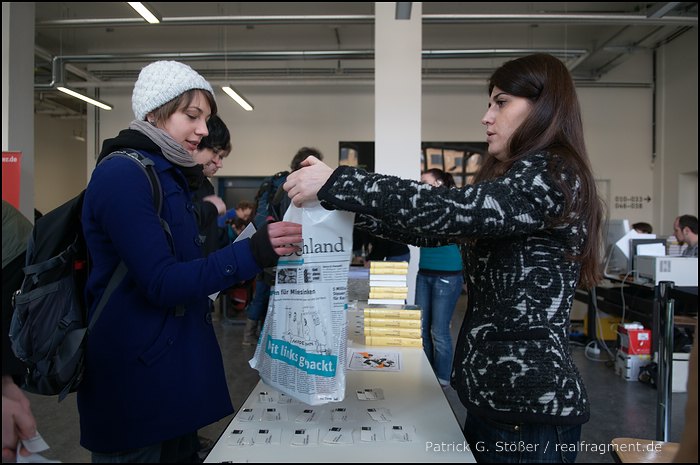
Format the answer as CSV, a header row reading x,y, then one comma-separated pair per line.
x,y
151,375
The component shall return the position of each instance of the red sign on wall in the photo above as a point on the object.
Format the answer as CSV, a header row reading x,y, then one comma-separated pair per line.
x,y
11,175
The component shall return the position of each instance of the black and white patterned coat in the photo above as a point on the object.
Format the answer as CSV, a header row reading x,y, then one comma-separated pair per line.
x,y
512,361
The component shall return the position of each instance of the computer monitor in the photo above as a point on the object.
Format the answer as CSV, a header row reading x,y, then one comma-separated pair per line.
x,y
655,247
614,260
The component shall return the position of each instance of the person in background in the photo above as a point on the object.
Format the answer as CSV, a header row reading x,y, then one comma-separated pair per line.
x,y
643,228
154,373
438,287
240,217
17,418
368,248
210,154
531,227
277,204
685,228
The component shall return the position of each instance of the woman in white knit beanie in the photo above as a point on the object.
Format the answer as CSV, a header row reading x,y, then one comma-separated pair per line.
x,y
154,372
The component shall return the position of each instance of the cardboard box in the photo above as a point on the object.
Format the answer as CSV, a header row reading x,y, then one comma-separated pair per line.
x,y
634,339
627,366
606,326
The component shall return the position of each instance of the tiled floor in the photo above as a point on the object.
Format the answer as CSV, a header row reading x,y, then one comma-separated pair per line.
x,y
619,408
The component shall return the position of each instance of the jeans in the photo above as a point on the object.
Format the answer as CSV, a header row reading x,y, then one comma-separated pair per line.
x,y
494,442
257,307
437,296
179,450
399,258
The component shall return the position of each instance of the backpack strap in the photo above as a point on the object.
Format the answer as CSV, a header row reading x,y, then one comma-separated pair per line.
x,y
37,269
114,281
148,168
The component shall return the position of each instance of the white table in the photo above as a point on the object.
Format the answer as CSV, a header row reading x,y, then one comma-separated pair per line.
x,y
412,395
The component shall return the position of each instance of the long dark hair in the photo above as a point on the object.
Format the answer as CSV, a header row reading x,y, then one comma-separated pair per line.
x,y
554,125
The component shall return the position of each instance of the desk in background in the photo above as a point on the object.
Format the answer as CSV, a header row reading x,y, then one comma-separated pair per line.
x,y
641,304
412,395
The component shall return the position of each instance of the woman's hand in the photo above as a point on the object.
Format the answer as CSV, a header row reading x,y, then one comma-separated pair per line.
x,y
303,184
285,237
217,202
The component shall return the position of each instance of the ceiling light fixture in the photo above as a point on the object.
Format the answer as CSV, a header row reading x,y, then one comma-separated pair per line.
x,y
234,94
92,101
148,12
79,136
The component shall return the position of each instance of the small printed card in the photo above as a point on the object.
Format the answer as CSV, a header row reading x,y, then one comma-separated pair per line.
x,y
340,414
265,397
400,433
285,399
306,416
370,394
305,437
370,434
274,414
240,437
337,435
35,444
267,436
375,361
247,414
380,414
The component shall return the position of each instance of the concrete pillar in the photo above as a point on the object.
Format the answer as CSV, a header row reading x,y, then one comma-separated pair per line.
x,y
397,97
18,93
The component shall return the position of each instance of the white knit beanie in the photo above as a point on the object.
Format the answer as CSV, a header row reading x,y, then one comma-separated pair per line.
x,y
162,81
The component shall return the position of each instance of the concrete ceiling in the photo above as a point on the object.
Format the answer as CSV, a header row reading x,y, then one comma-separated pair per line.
x,y
100,44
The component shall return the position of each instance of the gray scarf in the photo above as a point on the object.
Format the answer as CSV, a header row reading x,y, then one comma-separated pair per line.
x,y
172,150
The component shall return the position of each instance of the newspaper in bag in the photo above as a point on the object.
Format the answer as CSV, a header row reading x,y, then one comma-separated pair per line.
x,y
302,347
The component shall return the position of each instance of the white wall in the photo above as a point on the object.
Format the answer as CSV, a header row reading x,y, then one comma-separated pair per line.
x,y
59,172
618,124
285,119
677,132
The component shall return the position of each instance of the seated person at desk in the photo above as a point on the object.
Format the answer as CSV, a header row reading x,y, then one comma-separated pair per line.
x,y
643,228
685,228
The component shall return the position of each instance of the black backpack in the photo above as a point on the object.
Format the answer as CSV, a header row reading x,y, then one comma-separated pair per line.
x,y
264,207
49,325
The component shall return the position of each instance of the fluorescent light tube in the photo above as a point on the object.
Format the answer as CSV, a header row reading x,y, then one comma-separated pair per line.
x,y
84,98
147,14
234,94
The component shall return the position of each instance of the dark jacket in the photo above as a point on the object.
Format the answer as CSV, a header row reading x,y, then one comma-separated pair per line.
x,y
512,361
152,374
213,237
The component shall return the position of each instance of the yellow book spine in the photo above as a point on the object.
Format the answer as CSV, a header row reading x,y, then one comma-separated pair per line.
x,y
392,332
387,265
390,313
387,295
389,289
391,323
385,271
392,341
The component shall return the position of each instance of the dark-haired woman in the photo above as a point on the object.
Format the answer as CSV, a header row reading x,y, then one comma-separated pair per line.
x,y
530,228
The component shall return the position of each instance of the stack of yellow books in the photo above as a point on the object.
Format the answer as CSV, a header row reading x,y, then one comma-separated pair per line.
x,y
388,283
384,326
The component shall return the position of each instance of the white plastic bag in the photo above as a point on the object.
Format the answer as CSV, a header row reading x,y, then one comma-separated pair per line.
x,y
302,348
